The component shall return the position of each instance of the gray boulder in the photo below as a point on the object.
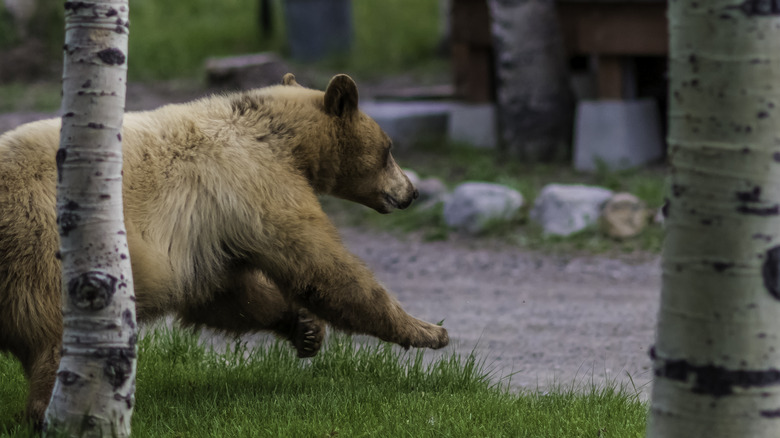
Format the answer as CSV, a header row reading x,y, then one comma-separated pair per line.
x,y
432,190
473,206
565,209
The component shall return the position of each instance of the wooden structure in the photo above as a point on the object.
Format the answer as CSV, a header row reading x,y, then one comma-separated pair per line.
x,y
610,31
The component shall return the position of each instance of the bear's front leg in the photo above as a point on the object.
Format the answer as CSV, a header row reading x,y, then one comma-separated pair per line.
x,y
316,270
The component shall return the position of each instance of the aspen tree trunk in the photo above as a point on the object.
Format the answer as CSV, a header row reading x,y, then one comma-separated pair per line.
x,y
717,353
535,100
94,391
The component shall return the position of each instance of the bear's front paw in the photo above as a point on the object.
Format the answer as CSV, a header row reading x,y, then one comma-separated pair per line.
x,y
432,336
308,334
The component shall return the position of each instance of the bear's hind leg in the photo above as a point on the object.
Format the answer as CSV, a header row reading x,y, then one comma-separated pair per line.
x,y
253,303
42,374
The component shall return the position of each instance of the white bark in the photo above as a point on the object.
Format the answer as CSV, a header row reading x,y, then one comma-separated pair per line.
x,y
717,353
94,391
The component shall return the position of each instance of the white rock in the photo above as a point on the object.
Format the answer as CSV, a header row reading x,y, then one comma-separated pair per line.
x,y
623,216
432,189
414,178
473,206
565,209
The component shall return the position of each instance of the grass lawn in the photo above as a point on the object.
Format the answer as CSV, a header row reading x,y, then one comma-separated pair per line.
x,y
349,389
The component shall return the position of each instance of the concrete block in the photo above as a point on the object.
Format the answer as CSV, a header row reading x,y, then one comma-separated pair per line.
x,y
622,134
410,123
474,124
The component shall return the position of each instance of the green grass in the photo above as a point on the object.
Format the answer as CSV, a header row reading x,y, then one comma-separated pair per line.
x,y
184,389
454,164
171,38
42,96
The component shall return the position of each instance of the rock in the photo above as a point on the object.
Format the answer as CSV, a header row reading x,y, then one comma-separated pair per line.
x,y
473,206
624,215
414,178
565,209
245,71
431,190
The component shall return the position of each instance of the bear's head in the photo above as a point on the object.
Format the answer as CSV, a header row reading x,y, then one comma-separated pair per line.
x,y
367,172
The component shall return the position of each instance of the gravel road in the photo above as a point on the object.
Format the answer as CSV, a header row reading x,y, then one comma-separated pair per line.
x,y
542,319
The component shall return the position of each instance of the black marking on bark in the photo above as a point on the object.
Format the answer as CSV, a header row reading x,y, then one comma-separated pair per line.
x,y
68,378
71,205
75,6
119,136
759,7
750,195
87,84
678,190
764,237
111,56
713,380
665,208
95,125
118,364
721,266
770,272
127,317
92,290
105,196
776,156
111,12
775,413
759,211
127,398
763,114
61,155
68,221
68,115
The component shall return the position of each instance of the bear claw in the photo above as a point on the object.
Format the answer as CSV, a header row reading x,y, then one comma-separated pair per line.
x,y
308,334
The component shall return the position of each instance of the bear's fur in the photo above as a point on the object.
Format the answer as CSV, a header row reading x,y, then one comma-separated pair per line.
x,y
223,222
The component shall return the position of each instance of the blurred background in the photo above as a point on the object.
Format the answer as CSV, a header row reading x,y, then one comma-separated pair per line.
x,y
522,93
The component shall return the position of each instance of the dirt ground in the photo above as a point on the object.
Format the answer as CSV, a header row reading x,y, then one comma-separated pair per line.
x,y
537,319
541,319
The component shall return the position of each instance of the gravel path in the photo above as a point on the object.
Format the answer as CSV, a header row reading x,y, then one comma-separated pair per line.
x,y
543,319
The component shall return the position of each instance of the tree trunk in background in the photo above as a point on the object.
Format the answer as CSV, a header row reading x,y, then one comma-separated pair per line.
x,y
717,353
535,100
95,387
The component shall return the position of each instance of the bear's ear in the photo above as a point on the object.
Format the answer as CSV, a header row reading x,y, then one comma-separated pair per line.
x,y
289,79
341,96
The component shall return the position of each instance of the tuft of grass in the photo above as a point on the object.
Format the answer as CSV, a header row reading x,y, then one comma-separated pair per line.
x,y
350,389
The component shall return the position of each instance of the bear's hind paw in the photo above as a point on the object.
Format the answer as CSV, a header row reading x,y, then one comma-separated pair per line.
x,y
308,334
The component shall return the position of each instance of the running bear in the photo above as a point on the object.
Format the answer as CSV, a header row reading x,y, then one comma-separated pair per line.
x,y
223,223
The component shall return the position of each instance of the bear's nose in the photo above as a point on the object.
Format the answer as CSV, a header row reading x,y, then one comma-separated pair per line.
x,y
415,194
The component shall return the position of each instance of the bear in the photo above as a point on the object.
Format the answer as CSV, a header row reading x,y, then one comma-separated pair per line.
x,y
224,225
